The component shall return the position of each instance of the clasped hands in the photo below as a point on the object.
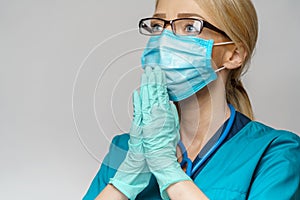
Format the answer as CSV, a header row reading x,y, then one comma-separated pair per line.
x,y
154,135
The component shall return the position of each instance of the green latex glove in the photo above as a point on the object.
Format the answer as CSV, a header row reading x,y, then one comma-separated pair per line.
x,y
133,174
160,130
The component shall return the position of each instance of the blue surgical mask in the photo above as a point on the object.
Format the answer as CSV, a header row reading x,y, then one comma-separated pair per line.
x,y
186,61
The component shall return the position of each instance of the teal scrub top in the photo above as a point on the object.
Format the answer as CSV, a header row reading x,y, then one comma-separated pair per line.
x,y
258,162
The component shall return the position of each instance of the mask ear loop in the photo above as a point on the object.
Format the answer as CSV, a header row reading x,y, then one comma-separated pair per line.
x,y
223,43
220,69
220,44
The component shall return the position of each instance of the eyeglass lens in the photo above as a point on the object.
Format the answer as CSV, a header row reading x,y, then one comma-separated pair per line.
x,y
180,26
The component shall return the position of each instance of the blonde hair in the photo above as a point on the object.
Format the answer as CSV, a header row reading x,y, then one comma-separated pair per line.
x,y
238,19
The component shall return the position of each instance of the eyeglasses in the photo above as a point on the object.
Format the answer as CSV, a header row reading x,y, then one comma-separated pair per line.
x,y
181,26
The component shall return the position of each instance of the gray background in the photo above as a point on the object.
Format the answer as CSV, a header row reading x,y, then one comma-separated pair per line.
x,y
60,68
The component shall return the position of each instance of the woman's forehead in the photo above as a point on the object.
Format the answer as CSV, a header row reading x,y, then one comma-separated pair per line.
x,y
170,9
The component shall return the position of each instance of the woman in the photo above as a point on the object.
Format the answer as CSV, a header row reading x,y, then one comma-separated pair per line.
x,y
195,56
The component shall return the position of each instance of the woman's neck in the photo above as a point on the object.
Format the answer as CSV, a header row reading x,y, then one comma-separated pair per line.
x,y
201,116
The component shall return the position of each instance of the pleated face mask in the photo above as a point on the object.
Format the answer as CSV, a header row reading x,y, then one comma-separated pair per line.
x,y
186,61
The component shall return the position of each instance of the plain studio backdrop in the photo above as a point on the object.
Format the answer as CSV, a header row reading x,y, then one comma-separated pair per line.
x,y
68,69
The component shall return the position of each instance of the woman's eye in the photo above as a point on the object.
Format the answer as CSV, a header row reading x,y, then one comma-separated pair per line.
x,y
190,29
156,27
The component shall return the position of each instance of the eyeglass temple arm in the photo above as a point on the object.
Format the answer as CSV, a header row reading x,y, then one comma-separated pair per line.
x,y
212,27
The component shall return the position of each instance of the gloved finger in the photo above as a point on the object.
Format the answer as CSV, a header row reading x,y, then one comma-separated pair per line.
x,y
144,79
152,87
148,70
159,87
157,70
137,108
135,134
144,93
135,129
145,104
162,93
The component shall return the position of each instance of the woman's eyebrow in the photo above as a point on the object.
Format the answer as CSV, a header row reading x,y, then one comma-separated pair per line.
x,y
179,15
160,15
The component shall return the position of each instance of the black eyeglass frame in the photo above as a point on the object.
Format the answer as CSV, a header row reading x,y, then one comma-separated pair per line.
x,y
171,22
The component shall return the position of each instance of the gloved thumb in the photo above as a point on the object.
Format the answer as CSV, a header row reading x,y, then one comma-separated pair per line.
x,y
137,108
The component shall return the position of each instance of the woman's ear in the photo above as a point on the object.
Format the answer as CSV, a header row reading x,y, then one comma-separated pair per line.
x,y
236,58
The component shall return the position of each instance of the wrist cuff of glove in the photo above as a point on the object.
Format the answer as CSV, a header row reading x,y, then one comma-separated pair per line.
x,y
169,176
129,191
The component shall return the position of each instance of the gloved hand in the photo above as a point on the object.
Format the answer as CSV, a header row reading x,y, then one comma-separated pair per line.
x,y
160,130
133,174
